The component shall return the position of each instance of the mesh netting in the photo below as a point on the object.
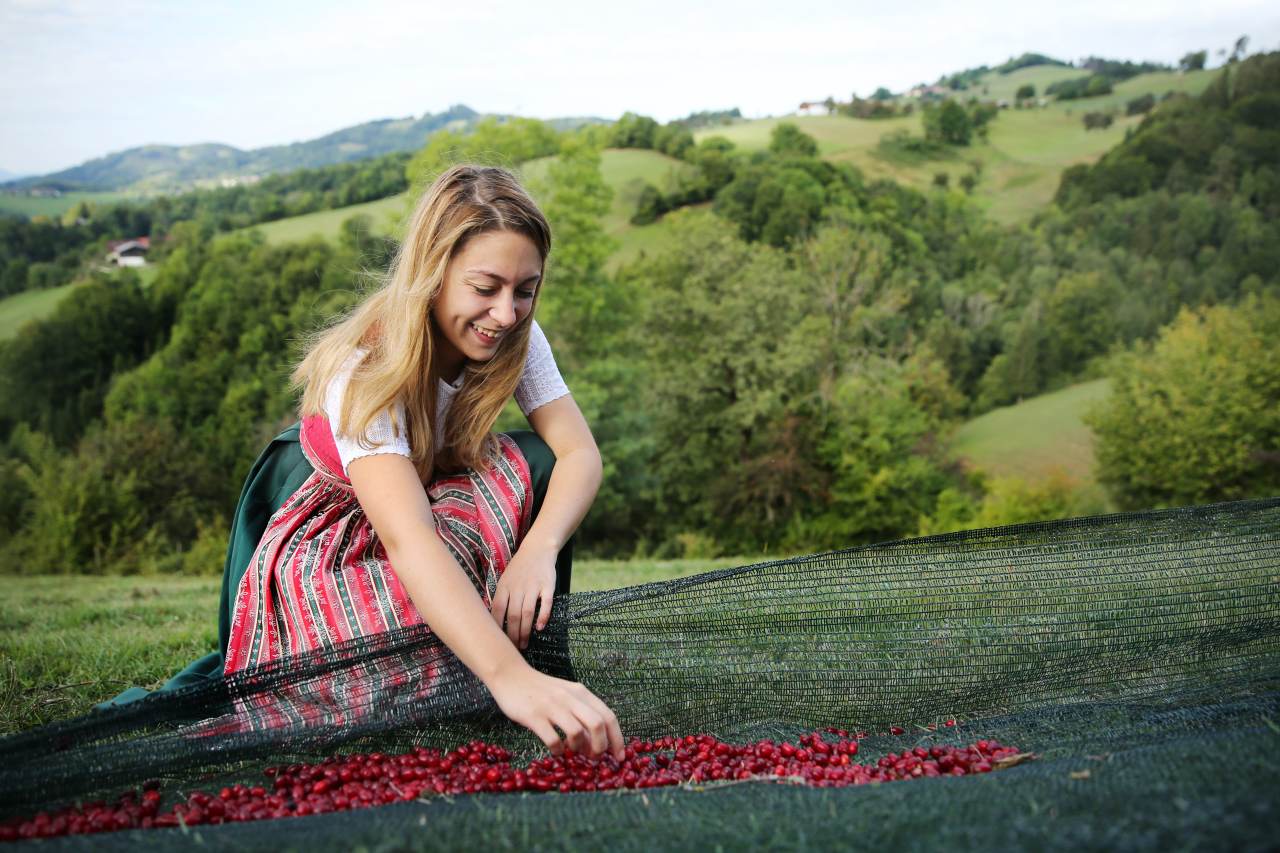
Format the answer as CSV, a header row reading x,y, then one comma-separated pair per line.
x,y
1136,655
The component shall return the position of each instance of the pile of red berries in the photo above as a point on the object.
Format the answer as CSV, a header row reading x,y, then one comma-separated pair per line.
x,y
359,781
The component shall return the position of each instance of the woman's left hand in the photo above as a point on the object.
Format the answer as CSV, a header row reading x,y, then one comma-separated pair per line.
x,y
528,579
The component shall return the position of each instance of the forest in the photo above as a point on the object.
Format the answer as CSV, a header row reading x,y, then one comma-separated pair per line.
x,y
781,375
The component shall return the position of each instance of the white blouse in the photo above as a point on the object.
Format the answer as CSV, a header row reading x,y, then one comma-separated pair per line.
x,y
540,383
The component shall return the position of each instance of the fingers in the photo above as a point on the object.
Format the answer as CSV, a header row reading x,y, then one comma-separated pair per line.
x,y
575,736
614,742
544,609
514,608
548,735
526,620
501,597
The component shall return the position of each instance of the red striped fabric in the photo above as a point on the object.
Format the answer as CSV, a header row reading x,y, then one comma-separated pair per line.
x,y
320,575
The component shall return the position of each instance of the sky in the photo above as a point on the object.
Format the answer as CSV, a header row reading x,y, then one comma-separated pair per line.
x,y
80,79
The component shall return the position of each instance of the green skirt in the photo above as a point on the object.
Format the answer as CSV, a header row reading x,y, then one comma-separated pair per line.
x,y
279,471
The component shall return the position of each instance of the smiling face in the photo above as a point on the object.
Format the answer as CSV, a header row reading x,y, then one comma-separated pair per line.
x,y
488,288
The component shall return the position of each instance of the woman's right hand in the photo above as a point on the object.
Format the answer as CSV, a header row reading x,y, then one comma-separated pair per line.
x,y
542,703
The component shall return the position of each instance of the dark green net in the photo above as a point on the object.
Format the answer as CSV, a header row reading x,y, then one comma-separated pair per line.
x,y
1137,655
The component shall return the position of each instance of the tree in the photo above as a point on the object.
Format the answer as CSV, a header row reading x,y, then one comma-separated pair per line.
x,y
1194,61
949,123
882,94
506,143
574,197
1097,121
1240,48
634,131
1140,105
1025,91
1195,417
788,140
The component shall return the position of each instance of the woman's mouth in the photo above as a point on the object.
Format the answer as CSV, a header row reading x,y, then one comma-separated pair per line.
x,y
488,337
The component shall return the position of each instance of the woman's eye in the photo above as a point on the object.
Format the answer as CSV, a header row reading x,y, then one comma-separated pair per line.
x,y
525,294
485,291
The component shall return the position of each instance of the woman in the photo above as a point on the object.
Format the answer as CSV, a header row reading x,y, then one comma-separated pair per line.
x,y
411,510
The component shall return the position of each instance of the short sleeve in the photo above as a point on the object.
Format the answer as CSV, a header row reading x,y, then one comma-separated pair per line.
x,y
381,435
541,382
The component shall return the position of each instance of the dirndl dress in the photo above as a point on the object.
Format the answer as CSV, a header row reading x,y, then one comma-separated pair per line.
x,y
320,575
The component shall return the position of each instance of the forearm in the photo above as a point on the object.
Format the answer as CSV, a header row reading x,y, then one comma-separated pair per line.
x,y
452,608
570,492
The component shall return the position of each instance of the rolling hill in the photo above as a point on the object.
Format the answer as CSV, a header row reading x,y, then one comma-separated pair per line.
x,y
1021,160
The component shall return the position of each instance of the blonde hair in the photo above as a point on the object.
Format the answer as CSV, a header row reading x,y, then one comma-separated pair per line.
x,y
394,325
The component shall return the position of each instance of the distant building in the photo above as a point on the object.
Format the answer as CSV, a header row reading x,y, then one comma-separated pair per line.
x,y
128,253
930,92
813,108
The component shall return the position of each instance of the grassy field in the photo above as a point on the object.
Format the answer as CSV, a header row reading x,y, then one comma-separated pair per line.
x,y
35,304
68,643
386,214
25,205
31,305
1022,158
1034,437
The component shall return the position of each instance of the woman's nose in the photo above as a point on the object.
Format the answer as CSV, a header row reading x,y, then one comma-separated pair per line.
x,y
504,311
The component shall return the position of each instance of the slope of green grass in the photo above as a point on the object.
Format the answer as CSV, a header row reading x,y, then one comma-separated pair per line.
x,y
31,305
387,216
626,171
1023,156
1032,438
26,205
1003,87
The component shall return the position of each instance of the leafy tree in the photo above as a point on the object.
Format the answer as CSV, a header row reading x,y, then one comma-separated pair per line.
x,y
506,143
1193,61
1097,121
788,140
1009,500
882,94
55,372
949,124
1195,417
716,157
1140,105
777,202
634,131
650,204
1025,91
1239,49
1097,85
574,197
674,141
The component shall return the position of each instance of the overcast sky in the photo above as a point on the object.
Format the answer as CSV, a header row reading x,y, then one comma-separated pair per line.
x,y
81,79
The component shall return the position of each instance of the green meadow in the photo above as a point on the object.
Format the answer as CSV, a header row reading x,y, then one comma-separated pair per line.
x,y
1020,161
53,206
1034,438
67,646
29,305
386,215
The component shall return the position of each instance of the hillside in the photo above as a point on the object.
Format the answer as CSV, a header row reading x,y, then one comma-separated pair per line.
x,y
624,170
1023,157
1031,438
158,168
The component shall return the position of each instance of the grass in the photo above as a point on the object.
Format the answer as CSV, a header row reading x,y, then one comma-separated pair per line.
x,y
67,643
22,308
1031,439
387,215
25,205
